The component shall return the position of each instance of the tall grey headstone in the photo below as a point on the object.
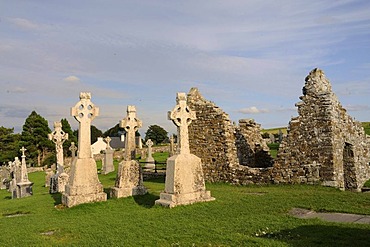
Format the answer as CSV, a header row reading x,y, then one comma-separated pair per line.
x,y
107,162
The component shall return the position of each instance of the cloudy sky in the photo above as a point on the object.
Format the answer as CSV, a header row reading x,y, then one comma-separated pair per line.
x,y
249,57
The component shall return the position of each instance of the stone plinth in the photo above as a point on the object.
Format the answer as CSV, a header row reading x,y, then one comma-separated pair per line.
x,y
24,189
184,182
83,185
129,180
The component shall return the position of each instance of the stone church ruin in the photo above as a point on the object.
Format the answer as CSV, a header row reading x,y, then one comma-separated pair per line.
x,y
324,144
234,154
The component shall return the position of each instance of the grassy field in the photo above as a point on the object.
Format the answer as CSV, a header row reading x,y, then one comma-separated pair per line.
x,y
240,216
275,130
366,126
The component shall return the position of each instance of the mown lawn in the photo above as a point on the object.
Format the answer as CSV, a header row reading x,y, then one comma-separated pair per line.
x,y
240,216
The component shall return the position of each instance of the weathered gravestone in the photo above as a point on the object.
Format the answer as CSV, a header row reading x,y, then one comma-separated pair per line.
x,y
150,162
58,180
21,186
4,177
184,174
107,162
49,172
83,185
73,150
129,180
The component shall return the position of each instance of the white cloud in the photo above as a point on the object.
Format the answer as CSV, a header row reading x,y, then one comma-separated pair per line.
x,y
357,107
24,23
72,78
253,110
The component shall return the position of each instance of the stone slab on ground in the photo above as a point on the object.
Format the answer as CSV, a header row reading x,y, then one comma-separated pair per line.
x,y
331,217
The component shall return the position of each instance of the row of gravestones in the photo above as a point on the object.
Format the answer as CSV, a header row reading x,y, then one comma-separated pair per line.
x,y
184,176
14,177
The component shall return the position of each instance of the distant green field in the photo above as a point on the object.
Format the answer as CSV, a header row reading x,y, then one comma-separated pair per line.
x,y
366,126
275,130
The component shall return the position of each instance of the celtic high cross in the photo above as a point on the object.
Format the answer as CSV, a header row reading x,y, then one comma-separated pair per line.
x,y
131,124
58,136
84,112
182,116
73,150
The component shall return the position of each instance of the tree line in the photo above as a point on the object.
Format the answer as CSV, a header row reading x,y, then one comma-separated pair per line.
x,y
41,151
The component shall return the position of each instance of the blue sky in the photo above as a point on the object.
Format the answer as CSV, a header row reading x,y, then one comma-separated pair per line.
x,y
249,57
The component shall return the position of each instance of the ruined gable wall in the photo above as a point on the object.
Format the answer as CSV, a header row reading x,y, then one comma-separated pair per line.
x,y
252,149
212,138
313,150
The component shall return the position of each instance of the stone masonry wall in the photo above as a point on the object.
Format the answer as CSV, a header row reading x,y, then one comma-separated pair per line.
x,y
324,144
214,139
252,149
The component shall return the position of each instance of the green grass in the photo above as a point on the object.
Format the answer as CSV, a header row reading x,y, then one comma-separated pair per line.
x,y
274,147
366,126
275,130
240,216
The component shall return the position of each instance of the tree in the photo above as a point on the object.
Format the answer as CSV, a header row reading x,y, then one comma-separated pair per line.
x,y
115,131
156,133
34,138
66,127
9,147
95,133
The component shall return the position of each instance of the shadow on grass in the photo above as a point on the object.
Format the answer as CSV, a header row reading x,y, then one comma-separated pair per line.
x,y
7,197
319,235
159,179
147,200
107,191
57,198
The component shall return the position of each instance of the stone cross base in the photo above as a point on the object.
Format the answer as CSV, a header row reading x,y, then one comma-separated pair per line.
x,y
107,166
23,189
58,183
62,181
83,185
184,182
129,181
150,165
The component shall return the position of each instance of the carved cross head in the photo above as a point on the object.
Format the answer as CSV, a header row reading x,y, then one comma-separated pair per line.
x,y
58,136
73,147
131,123
181,115
108,140
23,150
149,143
84,110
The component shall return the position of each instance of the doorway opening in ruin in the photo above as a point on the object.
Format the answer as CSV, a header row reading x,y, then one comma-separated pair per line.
x,y
349,167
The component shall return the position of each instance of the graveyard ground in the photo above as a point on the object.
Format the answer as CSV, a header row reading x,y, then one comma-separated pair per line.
x,y
240,216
